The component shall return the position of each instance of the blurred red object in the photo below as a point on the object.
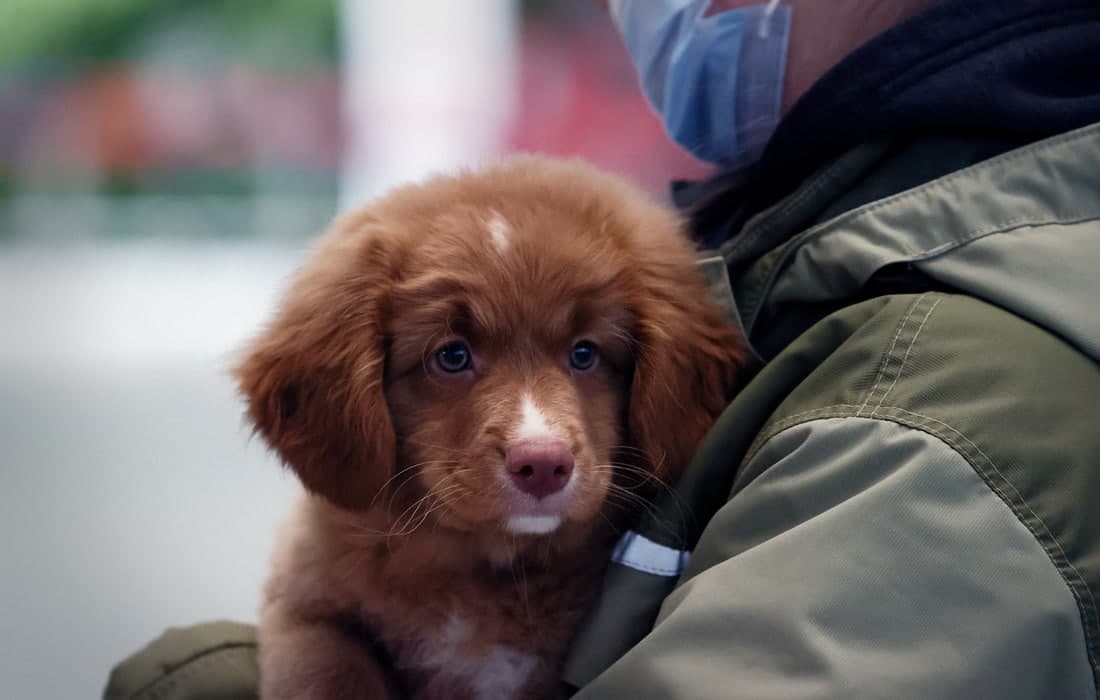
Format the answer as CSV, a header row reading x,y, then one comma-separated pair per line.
x,y
578,96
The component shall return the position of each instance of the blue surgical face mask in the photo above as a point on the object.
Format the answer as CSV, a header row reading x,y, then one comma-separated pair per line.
x,y
717,81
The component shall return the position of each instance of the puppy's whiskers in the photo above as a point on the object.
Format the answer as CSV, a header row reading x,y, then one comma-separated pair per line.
x,y
404,523
411,479
642,476
632,502
425,466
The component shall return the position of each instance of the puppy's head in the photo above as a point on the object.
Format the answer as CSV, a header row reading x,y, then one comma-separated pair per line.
x,y
491,352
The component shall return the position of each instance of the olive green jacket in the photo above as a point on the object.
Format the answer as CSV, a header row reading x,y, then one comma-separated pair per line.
x,y
905,501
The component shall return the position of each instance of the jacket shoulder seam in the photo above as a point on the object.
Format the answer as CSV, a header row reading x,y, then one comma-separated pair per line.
x,y
893,361
993,478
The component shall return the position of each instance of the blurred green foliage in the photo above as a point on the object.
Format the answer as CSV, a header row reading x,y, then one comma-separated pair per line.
x,y
92,31
283,32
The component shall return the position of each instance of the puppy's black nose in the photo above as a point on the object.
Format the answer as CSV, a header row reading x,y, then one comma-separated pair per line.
x,y
540,467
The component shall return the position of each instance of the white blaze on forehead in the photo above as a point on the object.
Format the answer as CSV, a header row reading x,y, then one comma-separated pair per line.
x,y
532,421
533,524
499,231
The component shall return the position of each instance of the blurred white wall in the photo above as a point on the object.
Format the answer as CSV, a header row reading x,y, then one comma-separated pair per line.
x,y
131,497
428,87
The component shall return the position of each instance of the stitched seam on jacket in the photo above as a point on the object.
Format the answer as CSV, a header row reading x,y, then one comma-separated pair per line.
x,y
922,192
1020,223
770,430
1090,618
185,669
769,220
996,481
889,356
905,358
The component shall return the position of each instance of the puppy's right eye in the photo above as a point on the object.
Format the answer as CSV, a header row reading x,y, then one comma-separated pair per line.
x,y
454,357
583,356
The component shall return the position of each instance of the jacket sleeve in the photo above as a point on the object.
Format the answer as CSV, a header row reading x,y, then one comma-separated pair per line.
x,y
213,661
865,559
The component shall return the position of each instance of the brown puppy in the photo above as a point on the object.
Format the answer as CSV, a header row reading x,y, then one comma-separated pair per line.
x,y
474,378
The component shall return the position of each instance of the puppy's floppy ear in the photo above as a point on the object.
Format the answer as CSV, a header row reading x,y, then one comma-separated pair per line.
x,y
689,358
313,381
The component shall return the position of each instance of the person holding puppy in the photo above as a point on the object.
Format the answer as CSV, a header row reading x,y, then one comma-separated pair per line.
x,y
905,222
902,503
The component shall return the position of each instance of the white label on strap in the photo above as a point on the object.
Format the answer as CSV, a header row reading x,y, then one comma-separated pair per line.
x,y
641,553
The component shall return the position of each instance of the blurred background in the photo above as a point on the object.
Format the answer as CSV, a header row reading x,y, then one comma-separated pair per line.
x,y
163,166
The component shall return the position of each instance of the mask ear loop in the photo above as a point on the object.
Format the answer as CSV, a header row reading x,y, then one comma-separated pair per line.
x,y
766,21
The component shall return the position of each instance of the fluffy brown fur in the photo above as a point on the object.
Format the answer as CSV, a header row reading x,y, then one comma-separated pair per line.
x,y
403,569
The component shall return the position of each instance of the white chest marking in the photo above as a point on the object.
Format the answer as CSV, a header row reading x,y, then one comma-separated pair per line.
x,y
442,651
503,672
497,675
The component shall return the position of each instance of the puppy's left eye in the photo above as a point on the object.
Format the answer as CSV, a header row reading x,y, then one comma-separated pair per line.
x,y
583,355
453,357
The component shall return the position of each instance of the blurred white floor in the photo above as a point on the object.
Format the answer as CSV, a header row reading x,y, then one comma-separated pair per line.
x,y
131,498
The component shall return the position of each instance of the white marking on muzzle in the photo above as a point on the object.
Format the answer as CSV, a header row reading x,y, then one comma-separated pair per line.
x,y
533,524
